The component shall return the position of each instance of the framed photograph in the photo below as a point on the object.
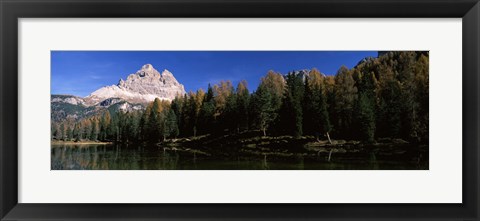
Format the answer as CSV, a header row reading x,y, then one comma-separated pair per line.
x,y
248,110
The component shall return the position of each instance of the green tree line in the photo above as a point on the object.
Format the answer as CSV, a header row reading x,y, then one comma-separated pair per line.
x,y
379,98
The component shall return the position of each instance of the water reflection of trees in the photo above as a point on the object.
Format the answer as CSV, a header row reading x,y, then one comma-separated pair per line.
x,y
118,157
111,157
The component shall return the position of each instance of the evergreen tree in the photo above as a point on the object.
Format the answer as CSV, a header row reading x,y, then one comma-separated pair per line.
x,y
105,126
69,133
186,128
171,124
345,98
410,105
291,112
242,103
62,133
389,120
197,106
177,107
144,126
206,119
366,118
53,131
95,130
317,119
209,95
262,102
156,121
366,107
113,131
422,95
222,93
267,101
229,118
329,83
380,97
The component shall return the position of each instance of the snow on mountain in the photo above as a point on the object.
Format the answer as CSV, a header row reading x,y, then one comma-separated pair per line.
x,y
69,99
141,87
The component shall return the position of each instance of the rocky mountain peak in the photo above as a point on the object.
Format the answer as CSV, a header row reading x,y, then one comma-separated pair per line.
x,y
147,67
147,70
303,73
166,72
142,86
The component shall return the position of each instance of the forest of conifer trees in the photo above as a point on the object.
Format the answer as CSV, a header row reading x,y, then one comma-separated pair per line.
x,y
384,97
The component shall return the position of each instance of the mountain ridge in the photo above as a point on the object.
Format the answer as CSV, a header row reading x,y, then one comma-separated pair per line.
x,y
133,93
142,86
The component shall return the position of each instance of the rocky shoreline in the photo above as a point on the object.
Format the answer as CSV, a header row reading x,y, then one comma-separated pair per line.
x,y
285,148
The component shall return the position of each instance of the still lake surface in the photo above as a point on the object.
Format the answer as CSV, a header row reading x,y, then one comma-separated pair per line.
x,y
118,157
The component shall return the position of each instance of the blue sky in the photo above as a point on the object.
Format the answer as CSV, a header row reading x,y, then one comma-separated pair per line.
x,y
82,72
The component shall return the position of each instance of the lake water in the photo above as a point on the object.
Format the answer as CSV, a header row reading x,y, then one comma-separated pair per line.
x,y
117,157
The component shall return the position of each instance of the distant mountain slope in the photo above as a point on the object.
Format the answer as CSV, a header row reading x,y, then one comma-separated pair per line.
x,y
132,94
68,107
71,107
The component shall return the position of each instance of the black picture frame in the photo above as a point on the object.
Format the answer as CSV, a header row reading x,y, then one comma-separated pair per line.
x,y
12,10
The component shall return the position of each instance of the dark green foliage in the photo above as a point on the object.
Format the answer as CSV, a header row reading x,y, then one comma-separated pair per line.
x,y
291,113
242,110
171,126
69,133
366,103
263,109
366,117
315,107
105,125
177,108
389,111
266,102
229,118
380,97
155,122
345,95
206,119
